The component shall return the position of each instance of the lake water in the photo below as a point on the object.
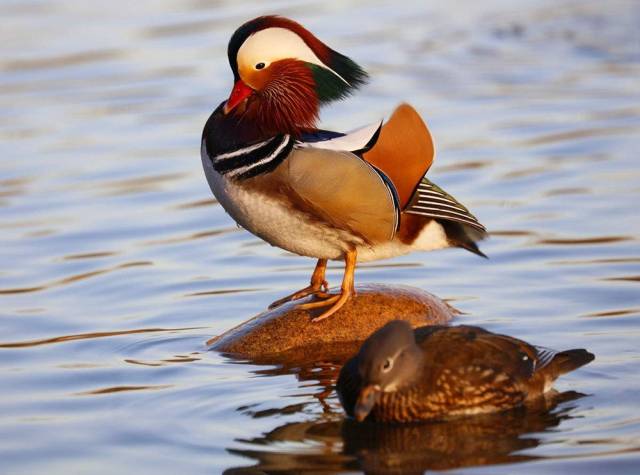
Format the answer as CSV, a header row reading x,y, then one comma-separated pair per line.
x,y
116,265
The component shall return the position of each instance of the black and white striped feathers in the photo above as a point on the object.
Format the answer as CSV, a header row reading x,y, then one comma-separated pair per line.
x,y
431,201
255,159
264,156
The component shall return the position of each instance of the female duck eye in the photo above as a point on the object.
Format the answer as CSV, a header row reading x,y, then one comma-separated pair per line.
x,y
387,365
260,66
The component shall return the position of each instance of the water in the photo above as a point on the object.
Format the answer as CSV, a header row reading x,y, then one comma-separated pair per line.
x,y
117,265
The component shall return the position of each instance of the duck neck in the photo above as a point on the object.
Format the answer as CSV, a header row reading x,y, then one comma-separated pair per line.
x,y
225,132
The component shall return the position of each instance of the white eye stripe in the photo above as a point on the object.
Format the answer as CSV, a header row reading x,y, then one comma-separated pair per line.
x,y
273,44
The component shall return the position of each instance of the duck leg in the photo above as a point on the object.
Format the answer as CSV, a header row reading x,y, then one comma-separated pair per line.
x,y
318,286
347,289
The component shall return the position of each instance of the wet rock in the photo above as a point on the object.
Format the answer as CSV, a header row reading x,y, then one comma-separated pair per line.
x,y
287,334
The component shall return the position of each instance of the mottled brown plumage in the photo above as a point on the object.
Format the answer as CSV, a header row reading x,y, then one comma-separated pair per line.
x,y
439,372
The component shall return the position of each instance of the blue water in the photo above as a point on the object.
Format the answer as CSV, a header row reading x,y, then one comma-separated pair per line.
x,y
117,265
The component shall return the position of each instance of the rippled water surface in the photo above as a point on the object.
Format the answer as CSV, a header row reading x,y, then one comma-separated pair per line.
x,y
117,265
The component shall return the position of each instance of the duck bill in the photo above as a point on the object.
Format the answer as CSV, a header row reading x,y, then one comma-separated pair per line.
x,y
238,94
366,400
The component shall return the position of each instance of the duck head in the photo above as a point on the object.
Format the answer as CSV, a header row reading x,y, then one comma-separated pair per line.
x,y
388,360
283,74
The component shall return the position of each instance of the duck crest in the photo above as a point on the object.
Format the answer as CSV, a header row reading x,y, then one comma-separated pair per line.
x,y
342,77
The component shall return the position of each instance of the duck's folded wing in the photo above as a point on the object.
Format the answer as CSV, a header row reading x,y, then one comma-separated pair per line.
x,y
343,190
485,367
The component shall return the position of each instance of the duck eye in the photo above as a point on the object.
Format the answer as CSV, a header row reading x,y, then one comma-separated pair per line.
x,y
260,66
386,366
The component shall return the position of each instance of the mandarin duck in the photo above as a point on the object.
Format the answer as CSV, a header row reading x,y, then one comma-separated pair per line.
x,y
439,372
358,196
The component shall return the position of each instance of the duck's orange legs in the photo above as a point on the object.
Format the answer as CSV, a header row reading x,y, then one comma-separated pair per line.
x,y
318,286
347,289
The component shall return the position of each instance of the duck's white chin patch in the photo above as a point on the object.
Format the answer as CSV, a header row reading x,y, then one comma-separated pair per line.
x,y
389,388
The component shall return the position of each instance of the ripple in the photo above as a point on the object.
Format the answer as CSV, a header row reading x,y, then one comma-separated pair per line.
x,y
578,134
144,184
197,204
190,237
630,278
61,61
614,313
391,265
224,292
584,241
567,191
89,255
88,336
532,171
73,278
513,233
184,28
602,261
469,165
119,389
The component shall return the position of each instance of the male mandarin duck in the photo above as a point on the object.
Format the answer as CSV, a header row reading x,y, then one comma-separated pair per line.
x,y
440,372
358,196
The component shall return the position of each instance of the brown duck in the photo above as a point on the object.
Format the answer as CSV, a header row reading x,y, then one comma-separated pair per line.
x,y
439,372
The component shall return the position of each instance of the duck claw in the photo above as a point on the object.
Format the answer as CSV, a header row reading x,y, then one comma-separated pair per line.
x,y
309,290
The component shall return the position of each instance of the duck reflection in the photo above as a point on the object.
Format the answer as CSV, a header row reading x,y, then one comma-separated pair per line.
x,y
482,440
403,449
333,443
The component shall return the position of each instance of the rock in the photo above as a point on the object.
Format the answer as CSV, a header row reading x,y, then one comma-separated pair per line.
x,y
287,334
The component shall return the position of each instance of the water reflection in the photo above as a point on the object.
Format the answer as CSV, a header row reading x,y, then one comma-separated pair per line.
x,y
332,443
481,440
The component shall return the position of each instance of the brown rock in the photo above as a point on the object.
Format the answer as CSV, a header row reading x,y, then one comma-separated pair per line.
x,y
287,334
